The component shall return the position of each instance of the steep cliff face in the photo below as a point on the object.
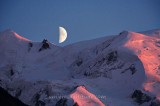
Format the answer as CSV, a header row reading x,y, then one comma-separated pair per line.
x,y
104,71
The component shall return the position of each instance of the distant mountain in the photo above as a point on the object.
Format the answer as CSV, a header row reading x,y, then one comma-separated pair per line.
x,y
120,70
153,33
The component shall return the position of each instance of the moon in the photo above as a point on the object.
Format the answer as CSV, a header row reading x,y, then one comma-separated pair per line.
x,y
62,34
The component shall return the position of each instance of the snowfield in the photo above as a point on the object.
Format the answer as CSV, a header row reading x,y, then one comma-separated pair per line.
x,y
120,70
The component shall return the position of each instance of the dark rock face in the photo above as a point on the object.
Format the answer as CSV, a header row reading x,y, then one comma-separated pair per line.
x,y
112,57
7,100
99,48
62,102
93,74
45,45
76,104
79,62
108,60
30,45
140,97
155,103
18,92
131,68
37,101
11,72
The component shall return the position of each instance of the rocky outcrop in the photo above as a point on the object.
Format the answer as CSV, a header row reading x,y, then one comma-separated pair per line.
x,y
7,100
140,97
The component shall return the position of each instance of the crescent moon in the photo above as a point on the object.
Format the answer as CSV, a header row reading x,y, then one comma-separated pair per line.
x,y
62,34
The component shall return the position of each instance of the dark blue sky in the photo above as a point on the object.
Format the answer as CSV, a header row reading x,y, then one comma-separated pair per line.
x,y
83,19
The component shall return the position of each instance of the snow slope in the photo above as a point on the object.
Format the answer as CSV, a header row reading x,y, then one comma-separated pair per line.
x,y
105,71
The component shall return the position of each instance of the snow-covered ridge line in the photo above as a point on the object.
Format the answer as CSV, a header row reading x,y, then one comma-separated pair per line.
x,y
9,34
113,66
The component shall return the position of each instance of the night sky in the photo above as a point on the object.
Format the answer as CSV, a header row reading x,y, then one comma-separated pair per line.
x,y
83,19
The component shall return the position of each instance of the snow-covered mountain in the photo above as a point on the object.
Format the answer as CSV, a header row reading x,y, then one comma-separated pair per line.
x,y
120,70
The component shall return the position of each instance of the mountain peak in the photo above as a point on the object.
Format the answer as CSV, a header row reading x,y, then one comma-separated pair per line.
x,y
10,35
106,71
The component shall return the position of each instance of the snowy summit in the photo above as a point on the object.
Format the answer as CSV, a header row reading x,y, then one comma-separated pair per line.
x,y
120,70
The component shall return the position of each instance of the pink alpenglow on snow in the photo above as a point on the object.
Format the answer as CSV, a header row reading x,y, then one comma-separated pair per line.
x,y
114,66
85,98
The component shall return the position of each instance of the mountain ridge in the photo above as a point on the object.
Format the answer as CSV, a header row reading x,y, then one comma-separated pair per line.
x,y
113,66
